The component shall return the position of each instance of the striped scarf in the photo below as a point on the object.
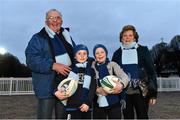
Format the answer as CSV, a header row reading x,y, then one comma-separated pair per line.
x,y
130,62
75,74
61,54
110,99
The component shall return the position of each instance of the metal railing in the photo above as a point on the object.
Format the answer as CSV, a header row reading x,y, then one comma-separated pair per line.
x,y
168,84
23,86
16,86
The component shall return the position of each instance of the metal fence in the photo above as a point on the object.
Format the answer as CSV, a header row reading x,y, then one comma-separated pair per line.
x,y
23,86
16,86
168,84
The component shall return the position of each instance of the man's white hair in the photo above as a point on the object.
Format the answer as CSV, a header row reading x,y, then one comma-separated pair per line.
x,y
51,10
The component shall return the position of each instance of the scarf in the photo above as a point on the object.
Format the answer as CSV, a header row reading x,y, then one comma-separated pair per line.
x,y
85,80
110,99
130,62
102,70
61,55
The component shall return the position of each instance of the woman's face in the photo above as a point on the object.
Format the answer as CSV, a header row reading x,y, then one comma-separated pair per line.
x,y
100,55
54,21
128,37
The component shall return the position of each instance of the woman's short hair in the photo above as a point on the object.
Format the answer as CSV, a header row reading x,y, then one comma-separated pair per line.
x,y
126,28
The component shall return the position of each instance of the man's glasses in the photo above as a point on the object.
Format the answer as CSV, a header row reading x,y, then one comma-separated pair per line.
x,y
51,18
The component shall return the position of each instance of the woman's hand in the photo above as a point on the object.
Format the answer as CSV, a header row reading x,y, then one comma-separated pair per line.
x,y
84,108
100,91
152,101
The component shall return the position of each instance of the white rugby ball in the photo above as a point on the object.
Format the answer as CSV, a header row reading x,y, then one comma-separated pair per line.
x,y
108,83
69,85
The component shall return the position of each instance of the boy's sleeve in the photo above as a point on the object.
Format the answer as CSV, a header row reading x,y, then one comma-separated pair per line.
x,y
121,74
92,89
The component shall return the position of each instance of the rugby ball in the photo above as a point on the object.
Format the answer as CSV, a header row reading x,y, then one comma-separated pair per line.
x,y
107,83
68,85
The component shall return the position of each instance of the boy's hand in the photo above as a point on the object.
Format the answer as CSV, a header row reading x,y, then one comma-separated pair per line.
x,y
84,107
61,95
100,91
118,88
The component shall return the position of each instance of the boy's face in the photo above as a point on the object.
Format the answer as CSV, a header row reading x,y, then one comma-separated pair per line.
x,y
81,56
100,55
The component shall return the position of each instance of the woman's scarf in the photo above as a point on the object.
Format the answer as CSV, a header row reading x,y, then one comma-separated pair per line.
x,y
130,62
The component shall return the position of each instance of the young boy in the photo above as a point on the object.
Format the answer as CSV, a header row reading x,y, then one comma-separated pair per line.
x,y
107,105
79,104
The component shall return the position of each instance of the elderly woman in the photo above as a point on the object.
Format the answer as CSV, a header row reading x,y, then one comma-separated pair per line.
x,y
136,61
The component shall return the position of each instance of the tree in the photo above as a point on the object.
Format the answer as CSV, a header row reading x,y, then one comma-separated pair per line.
x,y
175,43
166,57
11,67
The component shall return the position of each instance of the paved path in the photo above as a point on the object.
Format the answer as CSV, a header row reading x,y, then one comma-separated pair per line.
x,y
24,107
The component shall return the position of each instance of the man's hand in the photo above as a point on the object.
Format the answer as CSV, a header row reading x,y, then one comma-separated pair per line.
x,y
61,95
60,68
84,108
118,88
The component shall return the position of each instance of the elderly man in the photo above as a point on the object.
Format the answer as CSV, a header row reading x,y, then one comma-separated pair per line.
x,y
49,55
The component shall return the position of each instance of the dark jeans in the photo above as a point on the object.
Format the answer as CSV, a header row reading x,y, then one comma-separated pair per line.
x,y
45,108
137,102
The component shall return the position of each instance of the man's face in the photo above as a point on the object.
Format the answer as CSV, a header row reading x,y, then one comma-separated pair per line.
x,y
54,21
81,56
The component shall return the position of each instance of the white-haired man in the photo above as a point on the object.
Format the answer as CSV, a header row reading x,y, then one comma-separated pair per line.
x,y
49,55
